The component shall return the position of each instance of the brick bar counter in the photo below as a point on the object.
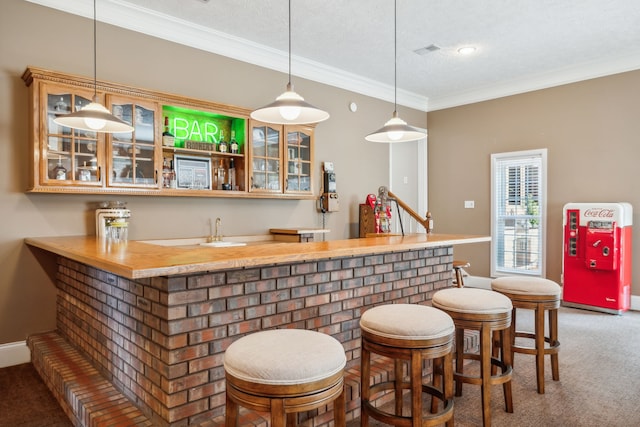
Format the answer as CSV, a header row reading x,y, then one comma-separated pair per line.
x,y
154,321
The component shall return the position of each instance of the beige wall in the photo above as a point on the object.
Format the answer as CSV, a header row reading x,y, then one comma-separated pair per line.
x,y
42,37
591,130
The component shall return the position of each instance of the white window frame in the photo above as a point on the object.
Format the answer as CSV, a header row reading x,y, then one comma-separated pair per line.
x,y
518,157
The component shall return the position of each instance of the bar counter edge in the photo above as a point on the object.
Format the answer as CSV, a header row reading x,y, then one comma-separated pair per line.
x,y
137,259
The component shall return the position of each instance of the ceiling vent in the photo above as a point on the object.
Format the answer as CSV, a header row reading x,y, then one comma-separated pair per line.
x,y
427,49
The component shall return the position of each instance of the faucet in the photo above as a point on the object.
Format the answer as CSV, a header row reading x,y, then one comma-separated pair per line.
x,y
218,227
217,237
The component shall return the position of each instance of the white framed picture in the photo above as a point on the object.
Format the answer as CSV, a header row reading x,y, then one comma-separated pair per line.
x,y
192,172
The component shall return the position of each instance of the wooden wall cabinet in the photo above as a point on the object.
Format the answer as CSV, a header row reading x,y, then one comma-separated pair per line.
x,y
274,161
133,158
281,159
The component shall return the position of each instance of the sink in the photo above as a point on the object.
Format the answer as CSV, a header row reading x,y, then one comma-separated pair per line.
x,y
195,242
222,244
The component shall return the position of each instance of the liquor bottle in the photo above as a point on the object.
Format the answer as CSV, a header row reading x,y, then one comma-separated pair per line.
x,y
221,175
166,173
223,146
232,174
167,137
233,144
59,172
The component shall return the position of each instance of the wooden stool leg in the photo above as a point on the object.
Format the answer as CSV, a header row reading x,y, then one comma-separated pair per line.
x,y
340,410
507,359
485,373
365,384
459,280
398,365
447,383
514,334
553,341
416,388
496,349
231,413
459,358
437,374
278,415
539,343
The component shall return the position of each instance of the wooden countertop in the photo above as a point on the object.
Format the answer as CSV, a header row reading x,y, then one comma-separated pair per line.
x,y
136,259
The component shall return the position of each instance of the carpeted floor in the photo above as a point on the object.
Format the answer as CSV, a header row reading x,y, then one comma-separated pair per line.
x,y
599,382
25,400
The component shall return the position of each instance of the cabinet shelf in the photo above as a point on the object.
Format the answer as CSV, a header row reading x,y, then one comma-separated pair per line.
x,y
205,153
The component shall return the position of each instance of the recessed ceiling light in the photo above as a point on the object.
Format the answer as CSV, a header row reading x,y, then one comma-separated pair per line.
x,y
466,50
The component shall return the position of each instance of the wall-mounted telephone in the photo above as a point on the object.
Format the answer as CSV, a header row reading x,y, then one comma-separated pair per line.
x,y
329,197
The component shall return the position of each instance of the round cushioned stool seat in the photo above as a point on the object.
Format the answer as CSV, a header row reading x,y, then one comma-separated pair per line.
x,y
471,300
526,286
284,371
407,322
284,356
412,333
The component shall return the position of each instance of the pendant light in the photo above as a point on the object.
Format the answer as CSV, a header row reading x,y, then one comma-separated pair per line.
x,y
289,108
396,129
94,117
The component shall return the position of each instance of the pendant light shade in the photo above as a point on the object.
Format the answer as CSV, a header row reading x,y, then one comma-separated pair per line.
x,y
396,129
94,116
289,108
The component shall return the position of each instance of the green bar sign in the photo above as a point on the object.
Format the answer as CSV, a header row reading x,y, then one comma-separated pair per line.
x,y
194,129
193,125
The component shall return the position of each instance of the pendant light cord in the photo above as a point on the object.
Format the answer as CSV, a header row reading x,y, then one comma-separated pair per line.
x,y
289,42
395,59
95,61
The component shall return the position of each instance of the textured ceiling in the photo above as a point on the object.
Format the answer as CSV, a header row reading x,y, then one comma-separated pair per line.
x,y
522,45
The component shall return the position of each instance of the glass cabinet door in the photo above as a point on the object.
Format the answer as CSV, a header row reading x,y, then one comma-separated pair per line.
x,y
69,156
132,155
265,158
298,160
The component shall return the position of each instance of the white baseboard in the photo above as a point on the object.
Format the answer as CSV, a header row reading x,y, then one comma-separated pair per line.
x,y
15,353
635,302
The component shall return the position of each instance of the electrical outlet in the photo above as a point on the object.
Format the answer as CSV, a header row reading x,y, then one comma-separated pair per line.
x,y
469,204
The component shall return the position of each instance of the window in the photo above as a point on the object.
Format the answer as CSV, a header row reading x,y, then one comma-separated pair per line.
x,y
518,214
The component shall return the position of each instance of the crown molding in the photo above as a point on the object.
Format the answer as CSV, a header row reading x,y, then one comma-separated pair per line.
x,y
142,20
604,66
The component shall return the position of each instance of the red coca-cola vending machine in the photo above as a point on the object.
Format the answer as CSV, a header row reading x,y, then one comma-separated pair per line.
x,y
596,263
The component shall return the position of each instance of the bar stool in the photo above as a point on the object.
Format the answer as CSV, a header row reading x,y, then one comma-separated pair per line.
x,y
458,268
412,333
285,371
489,313
540,295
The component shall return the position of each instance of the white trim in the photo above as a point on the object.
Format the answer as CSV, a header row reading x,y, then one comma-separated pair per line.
x,y
542,153
423,187
603,66
635,302
15,353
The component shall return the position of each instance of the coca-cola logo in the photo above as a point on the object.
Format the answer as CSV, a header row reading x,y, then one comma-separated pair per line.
x,y
599,213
